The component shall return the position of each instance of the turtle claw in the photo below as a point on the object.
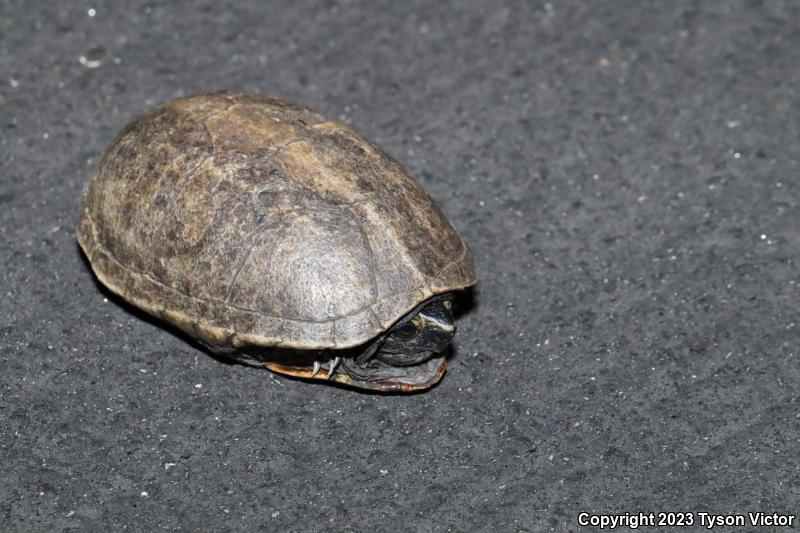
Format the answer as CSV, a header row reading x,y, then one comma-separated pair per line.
x,y
332,366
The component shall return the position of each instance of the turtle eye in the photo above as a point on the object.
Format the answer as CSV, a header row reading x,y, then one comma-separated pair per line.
x,y
407,331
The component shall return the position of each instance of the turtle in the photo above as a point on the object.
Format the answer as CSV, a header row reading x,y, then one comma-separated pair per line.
x,y
277,238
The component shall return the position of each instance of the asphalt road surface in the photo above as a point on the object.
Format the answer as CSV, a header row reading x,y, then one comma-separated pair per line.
x,y
625,172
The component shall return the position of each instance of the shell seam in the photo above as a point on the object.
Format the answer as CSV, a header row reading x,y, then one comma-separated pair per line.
x,y
237,308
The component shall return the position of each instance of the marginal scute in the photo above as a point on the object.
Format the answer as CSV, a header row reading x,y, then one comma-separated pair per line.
x,y
247,220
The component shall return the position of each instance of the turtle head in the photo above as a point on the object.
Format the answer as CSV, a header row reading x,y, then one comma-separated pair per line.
x,y
409,356
412,355
417,338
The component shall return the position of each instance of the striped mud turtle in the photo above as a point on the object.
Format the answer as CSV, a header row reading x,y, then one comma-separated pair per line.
x,y
278,238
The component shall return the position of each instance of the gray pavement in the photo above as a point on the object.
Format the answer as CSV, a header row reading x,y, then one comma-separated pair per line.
x,y
625,172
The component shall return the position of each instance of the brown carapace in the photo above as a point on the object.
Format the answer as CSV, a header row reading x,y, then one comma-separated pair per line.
x,y
278,238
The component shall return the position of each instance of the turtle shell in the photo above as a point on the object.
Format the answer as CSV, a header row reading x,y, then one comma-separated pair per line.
x,y
250,221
